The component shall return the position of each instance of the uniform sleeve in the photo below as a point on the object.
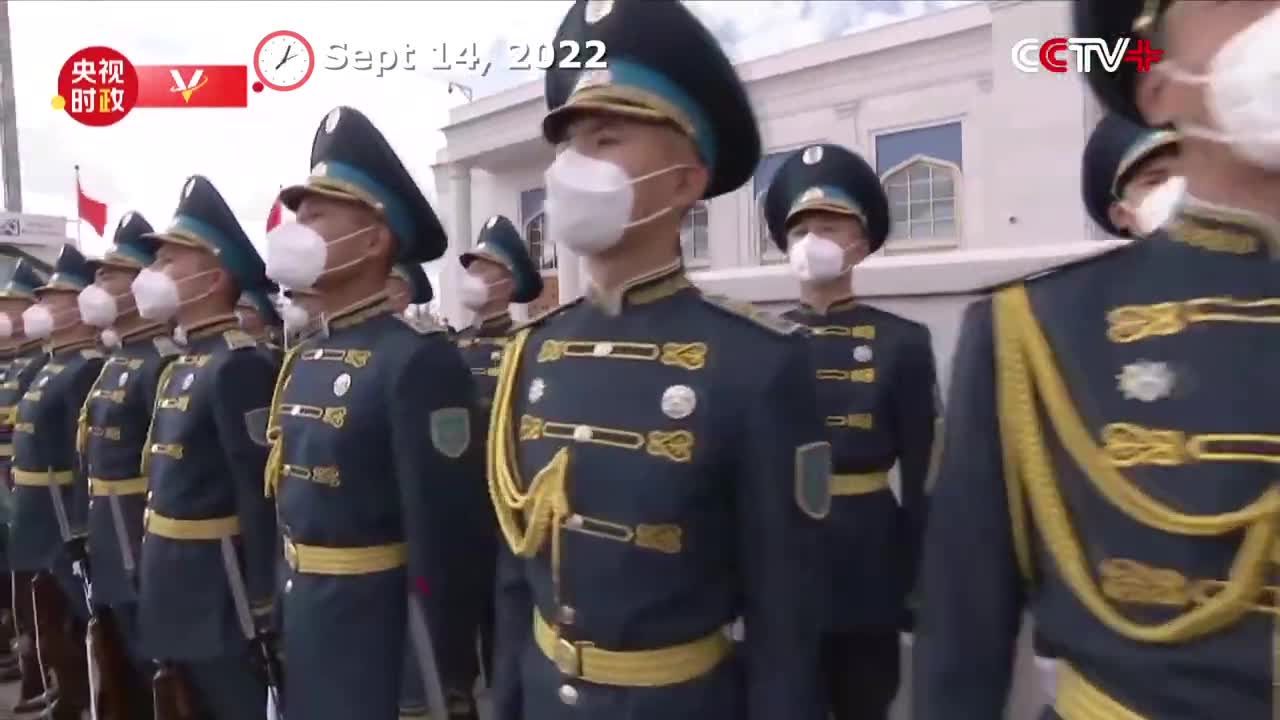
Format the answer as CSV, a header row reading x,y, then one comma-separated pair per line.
x,y
447,521
915,416
514,610
783,452
971,587
81,384
242,393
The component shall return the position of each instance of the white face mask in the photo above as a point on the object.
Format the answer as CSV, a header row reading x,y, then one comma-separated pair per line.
x,y
6,326
1158,206
97,306
295,318
473,291
589,202
297,255
37,322
815,258
157,294
1243,84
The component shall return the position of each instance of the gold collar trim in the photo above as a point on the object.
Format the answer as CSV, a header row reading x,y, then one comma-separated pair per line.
x,y
845,303
495,321
1219,228
208,327
642,289
359,311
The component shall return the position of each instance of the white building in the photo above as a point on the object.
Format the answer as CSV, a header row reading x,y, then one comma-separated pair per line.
x,y
36,237
981,163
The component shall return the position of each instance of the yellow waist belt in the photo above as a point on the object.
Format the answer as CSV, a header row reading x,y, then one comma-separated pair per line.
x,y
42,478
320,560
130,486
859,483
178,529
631,668
1079,699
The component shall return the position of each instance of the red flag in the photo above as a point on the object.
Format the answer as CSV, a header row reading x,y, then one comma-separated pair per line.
x,y
276,216
91,211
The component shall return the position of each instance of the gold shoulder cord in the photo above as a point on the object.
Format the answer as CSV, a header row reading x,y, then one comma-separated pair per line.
x,y
161,384
82,425
545,504
1026,373
275,435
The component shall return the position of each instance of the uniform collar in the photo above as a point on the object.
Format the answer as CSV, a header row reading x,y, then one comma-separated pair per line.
x,y
498,322
82,344
642,289
357,312
205,328
146,332
847,302
1219,228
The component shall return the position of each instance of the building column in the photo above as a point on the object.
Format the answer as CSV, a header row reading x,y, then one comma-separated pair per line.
x,y
460,240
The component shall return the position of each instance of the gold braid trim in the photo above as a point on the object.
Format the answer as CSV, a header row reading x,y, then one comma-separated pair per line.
x,y
275,434
161,384
545,504
1024,360
1013,482
82,425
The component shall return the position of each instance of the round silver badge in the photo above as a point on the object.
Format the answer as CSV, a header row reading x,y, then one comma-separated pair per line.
x,y
188,381
678,402
341,384
537,388
812,155
862,353
123,379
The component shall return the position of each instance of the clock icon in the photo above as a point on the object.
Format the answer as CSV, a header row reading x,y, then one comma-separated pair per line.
x,y
284,60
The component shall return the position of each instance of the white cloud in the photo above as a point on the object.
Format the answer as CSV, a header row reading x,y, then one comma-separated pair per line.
x,y
140,163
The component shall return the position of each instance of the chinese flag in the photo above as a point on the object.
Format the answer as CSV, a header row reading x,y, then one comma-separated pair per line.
x,y
276,215
91,211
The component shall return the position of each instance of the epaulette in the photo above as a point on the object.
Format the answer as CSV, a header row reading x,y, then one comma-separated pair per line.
x,y
238,339
745,310
166,346
91,354
545,315
420,325
1104,252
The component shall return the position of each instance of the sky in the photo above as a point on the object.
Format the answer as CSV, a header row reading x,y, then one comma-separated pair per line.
x,y
140,163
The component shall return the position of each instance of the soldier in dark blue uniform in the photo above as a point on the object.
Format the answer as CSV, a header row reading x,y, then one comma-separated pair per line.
x,y
208,555
50,501
656,455
112,428
258,317
497,273
875,376
1129,177
1111,463
408,285
26,357
375,452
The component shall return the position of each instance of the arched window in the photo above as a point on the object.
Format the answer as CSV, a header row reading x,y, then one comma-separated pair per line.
x,y
541,249
695,237
923,200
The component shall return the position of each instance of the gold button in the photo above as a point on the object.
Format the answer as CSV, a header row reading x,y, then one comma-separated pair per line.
x,y
567,615
582,433
568,695
602,349
573,522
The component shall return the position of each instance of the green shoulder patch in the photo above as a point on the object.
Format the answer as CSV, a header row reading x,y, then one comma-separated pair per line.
x,y
545,316
255,421
166,346
421,325
239,339
747,311
451,431
813,479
